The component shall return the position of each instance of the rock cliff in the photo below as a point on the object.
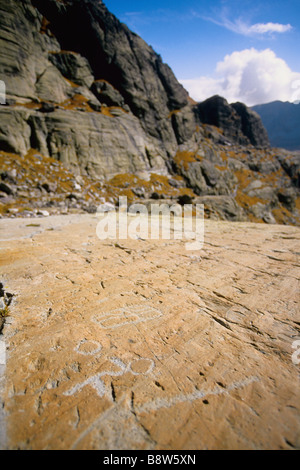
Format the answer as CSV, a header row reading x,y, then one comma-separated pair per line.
x,y
77,56
238,122
83,89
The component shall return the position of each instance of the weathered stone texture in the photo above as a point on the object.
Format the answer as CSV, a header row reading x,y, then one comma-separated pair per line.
x,y
192,350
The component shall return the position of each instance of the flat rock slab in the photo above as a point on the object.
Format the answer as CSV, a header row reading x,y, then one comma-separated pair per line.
x,y
141,344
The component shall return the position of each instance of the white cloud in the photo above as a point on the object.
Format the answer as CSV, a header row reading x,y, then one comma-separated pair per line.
x,y
250,76
240,26
263,28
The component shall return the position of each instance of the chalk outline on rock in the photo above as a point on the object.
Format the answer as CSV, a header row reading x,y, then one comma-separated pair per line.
x,y
88,353
96,380
139,313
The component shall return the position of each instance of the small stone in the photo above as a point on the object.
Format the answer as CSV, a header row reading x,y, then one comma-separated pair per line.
x,y
106,207
91,209
43,213
139,192
77,187
185,199
9,176
50,187
269,218
47,108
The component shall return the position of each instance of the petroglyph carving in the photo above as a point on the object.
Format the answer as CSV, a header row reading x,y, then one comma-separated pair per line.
x,y
142,366
196,395
126,315
88,348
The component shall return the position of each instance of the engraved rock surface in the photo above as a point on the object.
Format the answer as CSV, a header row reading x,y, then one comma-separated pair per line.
x,y
141,344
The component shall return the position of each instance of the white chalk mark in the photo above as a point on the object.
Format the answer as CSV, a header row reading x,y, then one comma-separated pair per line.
x,y
96,423
146,372
158,404
127,315
96,380
191,397
93,352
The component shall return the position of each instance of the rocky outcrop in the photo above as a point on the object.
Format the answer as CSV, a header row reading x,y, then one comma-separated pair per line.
x,y
252,126
73,66
35,186
239,123
96,143
104,49
45,68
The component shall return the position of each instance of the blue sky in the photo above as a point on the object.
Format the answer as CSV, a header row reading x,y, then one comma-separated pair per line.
x,y
244,50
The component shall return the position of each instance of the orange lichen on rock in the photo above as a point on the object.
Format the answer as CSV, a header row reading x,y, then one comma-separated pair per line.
x,y
224,156
244,176
29,104
246,201
171,113
123,180
184,158
281,214
73,85
45,25
77,102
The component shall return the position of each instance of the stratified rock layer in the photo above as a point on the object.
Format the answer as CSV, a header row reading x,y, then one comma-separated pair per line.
x,y
58,54
141,344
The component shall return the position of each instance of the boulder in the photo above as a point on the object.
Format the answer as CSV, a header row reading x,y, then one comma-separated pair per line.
x,y
288,196
51,86
6,188
221,207
107,94
210,173
73,66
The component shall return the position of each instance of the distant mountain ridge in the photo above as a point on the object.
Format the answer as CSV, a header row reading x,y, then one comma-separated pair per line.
x,y
282,121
